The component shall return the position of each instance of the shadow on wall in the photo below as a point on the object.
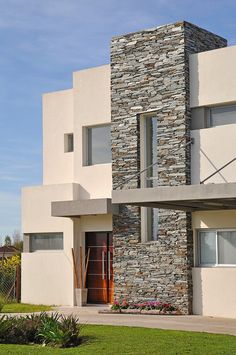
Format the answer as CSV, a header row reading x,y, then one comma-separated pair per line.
x,y
83,194
195,158
197,291
194,93
194,80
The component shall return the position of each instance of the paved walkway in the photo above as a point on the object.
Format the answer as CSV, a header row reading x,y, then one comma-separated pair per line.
x,y
90,315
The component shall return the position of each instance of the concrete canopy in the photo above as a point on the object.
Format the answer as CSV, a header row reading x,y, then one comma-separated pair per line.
x,y
77,208
183,197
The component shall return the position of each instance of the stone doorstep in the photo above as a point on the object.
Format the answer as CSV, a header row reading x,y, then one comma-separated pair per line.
x,y
138,311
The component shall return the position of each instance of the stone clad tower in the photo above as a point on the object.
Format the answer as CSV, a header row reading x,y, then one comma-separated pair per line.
x,y
150,73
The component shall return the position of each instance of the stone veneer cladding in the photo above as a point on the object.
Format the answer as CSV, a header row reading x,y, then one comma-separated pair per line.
x,y
150,72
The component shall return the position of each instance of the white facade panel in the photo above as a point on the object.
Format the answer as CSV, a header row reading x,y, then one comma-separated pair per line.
x,y
213,77
57,121
211,149
214,292
47,278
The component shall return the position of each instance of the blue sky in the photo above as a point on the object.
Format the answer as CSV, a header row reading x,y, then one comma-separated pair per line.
x,y
42,42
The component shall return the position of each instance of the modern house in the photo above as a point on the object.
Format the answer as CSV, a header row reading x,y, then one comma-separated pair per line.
x,y
139,167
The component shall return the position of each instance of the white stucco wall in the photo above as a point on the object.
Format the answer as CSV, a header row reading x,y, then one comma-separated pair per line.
x,y
96,223
47,276
214,288
214,219
57,120
213,147
213,77
92,106
36,207
70,111
214,292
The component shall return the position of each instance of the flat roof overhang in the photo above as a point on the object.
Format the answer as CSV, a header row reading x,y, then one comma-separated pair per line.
x,y
188,198
77,208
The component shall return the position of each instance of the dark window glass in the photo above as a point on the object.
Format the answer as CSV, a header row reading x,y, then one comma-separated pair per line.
x,y
69,142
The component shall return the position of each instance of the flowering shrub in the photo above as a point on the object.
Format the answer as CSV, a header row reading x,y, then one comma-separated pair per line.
x,y
8,268
122,304
9,264
149,305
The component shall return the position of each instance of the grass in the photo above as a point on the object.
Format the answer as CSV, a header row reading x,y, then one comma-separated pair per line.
x,y
24,308
99,339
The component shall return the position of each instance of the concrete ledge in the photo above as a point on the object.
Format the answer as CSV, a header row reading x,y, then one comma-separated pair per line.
x,y
183,197
78,208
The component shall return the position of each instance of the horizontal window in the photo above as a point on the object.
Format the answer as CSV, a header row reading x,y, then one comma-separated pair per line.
x,y
205,117
46,241
98,145
223,115
217,247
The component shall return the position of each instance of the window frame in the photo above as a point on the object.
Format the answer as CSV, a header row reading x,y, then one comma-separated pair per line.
x,y
198,247
86,152
146,212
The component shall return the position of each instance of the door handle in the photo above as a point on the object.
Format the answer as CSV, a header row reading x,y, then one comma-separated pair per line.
x,y
109,265
103,265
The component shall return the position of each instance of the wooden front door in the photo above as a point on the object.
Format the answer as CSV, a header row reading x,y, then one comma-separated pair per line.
x,y
99,279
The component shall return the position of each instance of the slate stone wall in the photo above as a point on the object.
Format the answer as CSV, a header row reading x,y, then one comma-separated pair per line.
x,y
150,72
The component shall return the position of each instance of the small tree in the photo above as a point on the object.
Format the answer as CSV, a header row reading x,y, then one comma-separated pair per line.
x,y
7,241
17,240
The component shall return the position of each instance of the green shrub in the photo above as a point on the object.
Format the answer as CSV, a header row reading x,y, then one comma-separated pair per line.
x,y
57,330
2,302
53,330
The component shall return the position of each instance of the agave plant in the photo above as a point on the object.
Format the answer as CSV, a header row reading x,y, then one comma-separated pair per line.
x,y
58,330
54,330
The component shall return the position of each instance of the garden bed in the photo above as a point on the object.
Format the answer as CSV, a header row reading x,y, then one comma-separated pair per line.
x,y
147,308
140,311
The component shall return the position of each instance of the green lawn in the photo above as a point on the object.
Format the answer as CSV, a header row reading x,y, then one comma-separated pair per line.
x,y
100,339
24,308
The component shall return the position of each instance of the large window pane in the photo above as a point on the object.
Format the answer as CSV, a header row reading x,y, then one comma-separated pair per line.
x,y
152,173
99,145
227,247
207,247
46,241
152,224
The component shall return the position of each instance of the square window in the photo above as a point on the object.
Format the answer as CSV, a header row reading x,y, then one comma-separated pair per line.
x,y
98,145
68,143
216,247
